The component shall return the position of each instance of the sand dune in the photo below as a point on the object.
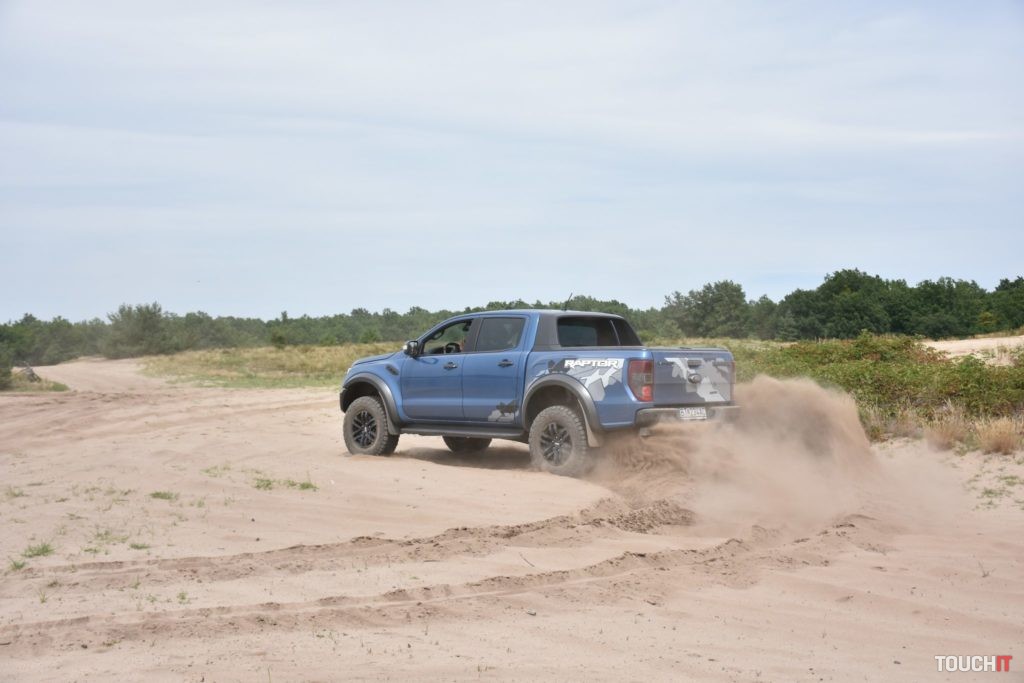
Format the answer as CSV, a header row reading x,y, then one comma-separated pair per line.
x,y
781,548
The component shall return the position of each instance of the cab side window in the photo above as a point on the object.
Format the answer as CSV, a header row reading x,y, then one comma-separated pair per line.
x,y
450,339
499,334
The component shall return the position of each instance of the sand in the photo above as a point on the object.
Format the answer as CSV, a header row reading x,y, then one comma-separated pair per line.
x,y
782,548
994,350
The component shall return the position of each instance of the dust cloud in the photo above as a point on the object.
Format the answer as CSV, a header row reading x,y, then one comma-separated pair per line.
x,y
795,458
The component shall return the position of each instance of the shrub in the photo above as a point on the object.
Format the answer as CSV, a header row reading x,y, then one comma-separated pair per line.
x,y
892,374
5,368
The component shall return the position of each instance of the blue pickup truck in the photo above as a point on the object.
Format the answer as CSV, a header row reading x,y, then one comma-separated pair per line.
x,y
560,381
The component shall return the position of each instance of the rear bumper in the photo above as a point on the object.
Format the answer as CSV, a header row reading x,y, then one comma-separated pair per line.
x,y
650,416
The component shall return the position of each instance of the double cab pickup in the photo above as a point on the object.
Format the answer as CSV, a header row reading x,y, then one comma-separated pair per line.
x,y
561,381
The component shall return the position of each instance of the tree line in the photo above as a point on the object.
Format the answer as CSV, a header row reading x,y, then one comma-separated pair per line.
x,y
845,304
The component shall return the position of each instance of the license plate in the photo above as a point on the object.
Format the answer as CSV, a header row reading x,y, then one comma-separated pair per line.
x,y
693,413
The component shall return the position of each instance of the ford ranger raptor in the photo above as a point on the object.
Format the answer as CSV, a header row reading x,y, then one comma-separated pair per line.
x,y
560,381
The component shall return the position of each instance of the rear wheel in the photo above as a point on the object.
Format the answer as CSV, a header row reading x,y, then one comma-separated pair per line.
x,y
466,444
558,442
366,428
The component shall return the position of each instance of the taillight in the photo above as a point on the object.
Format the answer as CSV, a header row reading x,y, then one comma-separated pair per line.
x,y
641,379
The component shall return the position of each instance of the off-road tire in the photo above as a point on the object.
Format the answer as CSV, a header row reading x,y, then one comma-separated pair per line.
x,y
466,444
366,428
558,442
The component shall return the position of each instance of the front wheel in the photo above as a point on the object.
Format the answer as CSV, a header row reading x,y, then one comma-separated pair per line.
x,y
558,442
466,444
366,428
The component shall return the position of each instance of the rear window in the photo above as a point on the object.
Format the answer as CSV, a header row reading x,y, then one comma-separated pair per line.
x,y
595,331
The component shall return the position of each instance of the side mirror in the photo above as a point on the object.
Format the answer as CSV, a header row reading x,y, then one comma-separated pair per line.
x,y
412,348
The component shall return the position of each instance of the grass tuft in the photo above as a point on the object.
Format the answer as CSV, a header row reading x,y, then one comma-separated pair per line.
x,y
999,435
948,428
164,495
17,565
38,550
217,471
306,485
874,421
267,484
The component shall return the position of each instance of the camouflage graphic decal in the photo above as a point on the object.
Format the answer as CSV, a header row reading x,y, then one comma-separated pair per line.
x,y
706,382
596,374
503,412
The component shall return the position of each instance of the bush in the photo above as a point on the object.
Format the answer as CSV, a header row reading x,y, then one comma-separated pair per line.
x,y
5,368
892,374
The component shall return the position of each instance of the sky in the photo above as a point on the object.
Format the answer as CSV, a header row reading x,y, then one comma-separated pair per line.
x,y
247,158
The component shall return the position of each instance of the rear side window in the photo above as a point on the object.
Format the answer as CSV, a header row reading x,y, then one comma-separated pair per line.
x,y
627,337
586,331
499,334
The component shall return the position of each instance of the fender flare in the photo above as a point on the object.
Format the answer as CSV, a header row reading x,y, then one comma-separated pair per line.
x,y
586,401
390,405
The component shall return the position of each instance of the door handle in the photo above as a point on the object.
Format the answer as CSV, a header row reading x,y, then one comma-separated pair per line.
x,y
451,365
505,363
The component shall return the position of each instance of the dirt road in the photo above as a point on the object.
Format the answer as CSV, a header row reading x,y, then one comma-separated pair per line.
x,y
199,534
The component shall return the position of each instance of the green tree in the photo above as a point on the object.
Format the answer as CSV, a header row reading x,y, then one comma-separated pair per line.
x,y
369,335
851,301
718,309
854,312
947,307
763,320
800,315
898,302
1008,303
139,330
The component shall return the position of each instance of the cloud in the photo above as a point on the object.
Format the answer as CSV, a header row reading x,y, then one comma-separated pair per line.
x,y
525,147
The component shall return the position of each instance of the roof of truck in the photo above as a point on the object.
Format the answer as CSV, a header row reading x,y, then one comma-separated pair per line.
x,y
542,312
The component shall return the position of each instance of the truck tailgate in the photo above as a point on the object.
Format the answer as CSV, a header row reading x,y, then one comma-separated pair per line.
x,y
691,376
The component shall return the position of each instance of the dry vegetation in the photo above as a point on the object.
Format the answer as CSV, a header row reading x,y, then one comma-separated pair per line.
x,y
20,382
949,428
999,435
265,367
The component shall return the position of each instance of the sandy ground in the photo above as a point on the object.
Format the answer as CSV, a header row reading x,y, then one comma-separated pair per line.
x,y
993,349
784,549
